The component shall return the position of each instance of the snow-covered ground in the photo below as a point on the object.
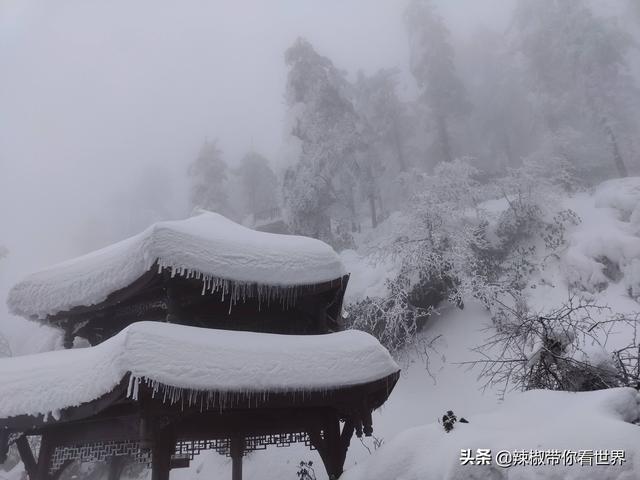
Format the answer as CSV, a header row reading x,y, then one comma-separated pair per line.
x,y
579,436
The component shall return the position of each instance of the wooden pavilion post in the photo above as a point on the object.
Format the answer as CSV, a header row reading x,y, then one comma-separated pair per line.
x,y
334,464
161,452
333,444
237,452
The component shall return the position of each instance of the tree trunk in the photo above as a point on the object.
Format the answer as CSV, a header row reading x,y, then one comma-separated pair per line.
x,y
615,150
372,207
443,137
508,152
608,131
398,146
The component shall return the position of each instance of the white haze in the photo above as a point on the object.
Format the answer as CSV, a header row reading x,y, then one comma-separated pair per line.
x,y
104,103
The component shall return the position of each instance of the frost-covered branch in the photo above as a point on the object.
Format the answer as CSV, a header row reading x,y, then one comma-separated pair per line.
x,y
562,349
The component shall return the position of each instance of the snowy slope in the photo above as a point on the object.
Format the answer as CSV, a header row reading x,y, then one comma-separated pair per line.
x,y
207,246
599,262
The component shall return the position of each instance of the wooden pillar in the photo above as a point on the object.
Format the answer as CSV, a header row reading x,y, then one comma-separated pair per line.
x,y
237,452
161,452
334,462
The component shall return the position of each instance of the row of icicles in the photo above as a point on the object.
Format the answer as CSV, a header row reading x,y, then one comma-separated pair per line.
x,y
238,291
205,399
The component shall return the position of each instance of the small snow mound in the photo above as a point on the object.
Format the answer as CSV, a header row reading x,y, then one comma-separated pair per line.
x,y
538,420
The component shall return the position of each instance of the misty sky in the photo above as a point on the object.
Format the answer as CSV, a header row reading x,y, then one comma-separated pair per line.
x,y
104,103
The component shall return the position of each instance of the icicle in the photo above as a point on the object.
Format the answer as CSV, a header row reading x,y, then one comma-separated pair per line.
x,y
129,387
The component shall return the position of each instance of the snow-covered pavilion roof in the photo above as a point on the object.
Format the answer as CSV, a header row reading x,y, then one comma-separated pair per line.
x,y
207,246
174,358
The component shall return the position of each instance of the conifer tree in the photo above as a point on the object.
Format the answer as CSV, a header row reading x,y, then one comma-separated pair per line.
x,y
433,67
208,174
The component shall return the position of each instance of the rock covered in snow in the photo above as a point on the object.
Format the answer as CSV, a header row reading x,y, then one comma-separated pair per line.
x,y
207,246
172,358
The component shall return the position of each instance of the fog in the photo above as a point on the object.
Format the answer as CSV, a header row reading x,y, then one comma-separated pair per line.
x,y
103,102
96,95
103,105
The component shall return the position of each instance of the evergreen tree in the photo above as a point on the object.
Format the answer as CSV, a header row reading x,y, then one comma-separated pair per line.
x,y
388,117
259,184
387,127
502,125
208,174
432,65
325,123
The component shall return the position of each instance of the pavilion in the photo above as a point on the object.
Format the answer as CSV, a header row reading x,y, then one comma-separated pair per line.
x,y
203,334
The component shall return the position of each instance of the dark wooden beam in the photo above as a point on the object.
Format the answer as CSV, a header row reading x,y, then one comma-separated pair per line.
x,y
26,455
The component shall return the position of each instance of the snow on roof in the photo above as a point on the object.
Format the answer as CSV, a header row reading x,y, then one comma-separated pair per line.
x,y
174,357
572,424
207,246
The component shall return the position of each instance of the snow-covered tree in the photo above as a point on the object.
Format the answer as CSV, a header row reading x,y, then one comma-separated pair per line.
x,y
578,65
5,348
635,9
501,127
433,66
259,184
208,174
327,128
388,117
388,127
